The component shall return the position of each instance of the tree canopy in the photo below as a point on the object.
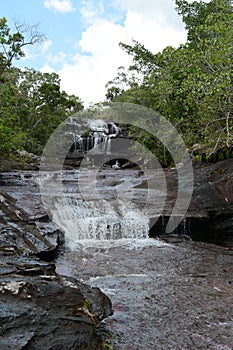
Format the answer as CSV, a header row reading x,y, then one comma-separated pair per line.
x,y
32,103
190,85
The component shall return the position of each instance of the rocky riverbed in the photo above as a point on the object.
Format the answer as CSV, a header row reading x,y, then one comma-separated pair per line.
x,y
165,296
170,293
39,308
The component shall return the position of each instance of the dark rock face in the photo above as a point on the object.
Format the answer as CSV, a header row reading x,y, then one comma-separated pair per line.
x,y
18,230
40,309
210,214
213,187
213,201
43,310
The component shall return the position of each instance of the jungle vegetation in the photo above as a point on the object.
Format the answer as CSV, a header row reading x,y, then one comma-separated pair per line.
x,y
32,104
192,85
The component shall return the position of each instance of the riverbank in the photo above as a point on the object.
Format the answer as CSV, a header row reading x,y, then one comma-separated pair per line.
x,y
164,296
41,309
170,293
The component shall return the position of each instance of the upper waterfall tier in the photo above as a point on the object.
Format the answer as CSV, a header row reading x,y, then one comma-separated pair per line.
x,y
90,134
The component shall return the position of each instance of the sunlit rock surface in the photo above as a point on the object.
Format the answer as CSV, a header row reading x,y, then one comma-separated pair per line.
x,y
41,310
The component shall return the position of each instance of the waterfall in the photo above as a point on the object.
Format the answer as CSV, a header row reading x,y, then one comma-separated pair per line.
x,y
101,220
90,134
86,208
84,211
109,144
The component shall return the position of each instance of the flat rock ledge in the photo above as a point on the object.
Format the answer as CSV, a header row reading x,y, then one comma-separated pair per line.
x,y
39,308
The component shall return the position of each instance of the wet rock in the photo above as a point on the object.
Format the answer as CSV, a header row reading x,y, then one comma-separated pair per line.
x,y
162,294
211,207
43,310
18,230
49,312
210,214
19,164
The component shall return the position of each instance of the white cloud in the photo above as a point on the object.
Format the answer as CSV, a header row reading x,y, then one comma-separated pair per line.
x,y
60,58
45,45
47,69
59,5
91,10
154,34
153,23
97,63
162,12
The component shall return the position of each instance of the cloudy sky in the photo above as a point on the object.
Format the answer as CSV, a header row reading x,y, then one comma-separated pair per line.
x,y
83,37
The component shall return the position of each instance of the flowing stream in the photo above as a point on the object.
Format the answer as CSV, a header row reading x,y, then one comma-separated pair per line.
x,y
165,295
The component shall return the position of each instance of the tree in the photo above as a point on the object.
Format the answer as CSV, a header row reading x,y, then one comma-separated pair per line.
x,y
12,45
32,103
209,83
42,106
190,85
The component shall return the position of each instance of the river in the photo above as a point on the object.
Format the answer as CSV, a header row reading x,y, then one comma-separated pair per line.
x,y
166,294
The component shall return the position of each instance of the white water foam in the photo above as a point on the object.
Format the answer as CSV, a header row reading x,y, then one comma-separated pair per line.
x,y
99,220
126,243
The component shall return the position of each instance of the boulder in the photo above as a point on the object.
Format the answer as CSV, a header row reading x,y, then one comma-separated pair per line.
x,y
43,310
39,308
17,229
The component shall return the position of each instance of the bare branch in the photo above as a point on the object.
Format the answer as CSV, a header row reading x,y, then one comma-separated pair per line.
x,y
217,142
13,44
31,33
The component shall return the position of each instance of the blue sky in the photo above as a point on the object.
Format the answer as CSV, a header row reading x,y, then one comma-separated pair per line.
x,y
83,36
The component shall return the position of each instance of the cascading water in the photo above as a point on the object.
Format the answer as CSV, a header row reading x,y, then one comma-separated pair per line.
x,y
90,220
101,213
90,134
94,210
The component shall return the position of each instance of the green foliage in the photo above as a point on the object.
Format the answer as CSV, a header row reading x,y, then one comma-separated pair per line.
x,y
191,85
32,103
11,45
42,105
10,139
